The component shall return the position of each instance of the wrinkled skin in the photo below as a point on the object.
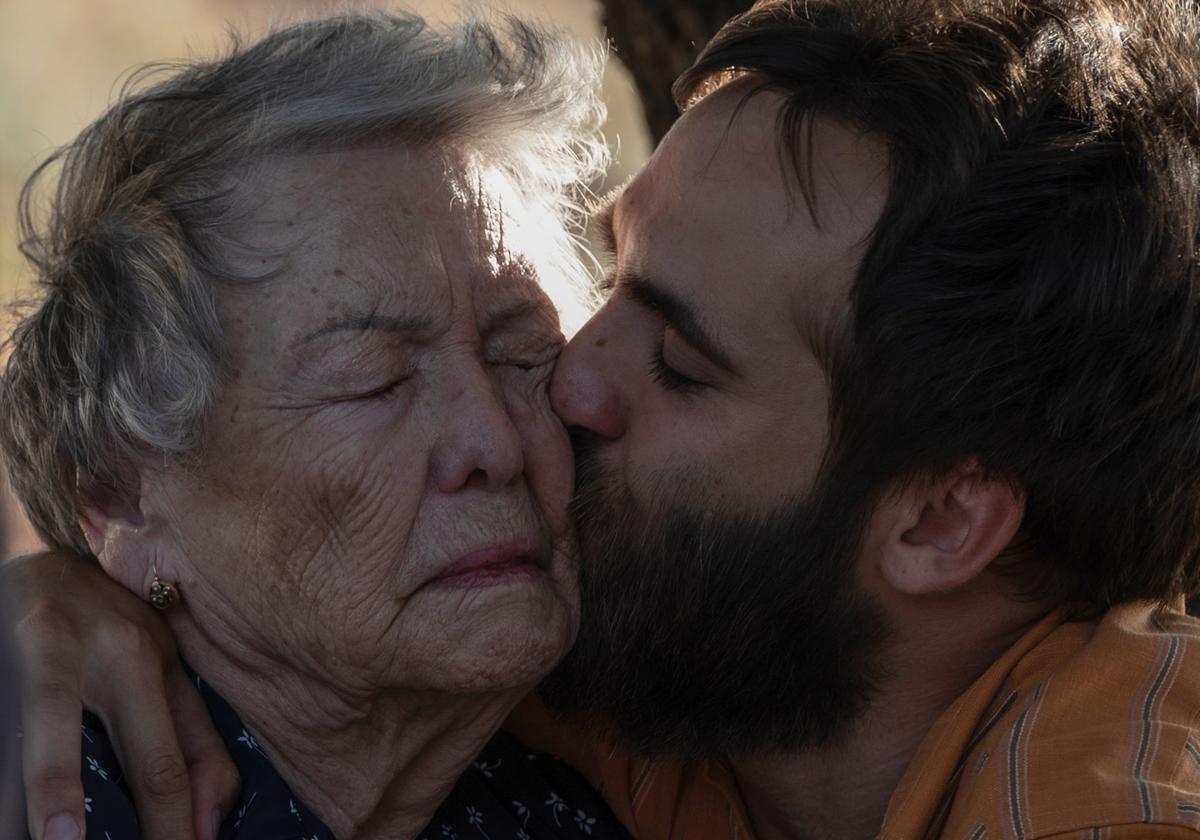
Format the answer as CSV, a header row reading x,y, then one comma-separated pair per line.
x,y
384,413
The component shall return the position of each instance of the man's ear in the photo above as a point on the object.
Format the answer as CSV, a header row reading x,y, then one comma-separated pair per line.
x,y
949,531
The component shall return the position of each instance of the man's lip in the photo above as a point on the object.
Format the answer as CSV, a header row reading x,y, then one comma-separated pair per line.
x,y
493,558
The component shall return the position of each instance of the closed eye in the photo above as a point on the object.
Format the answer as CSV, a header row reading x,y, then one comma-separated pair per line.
x,y
668,377
381,392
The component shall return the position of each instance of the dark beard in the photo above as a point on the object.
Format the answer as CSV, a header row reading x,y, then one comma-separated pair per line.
x,y
707,632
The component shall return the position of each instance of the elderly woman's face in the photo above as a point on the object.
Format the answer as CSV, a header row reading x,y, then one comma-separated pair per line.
x,y
382,486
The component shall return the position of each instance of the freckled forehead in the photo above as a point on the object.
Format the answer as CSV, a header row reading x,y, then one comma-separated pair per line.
x,y
397,228
392,204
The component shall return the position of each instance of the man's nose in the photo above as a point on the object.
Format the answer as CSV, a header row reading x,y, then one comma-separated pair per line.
x,y
480,444
585,391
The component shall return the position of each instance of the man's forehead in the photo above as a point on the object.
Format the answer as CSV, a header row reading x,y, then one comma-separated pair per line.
x,y
729,148
718,215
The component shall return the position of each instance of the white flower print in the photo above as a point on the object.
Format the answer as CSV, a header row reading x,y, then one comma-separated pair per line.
x,y
584,822
486,769
292,809
95,767
87,804
475,818
522,811
556,805
242,811
248,739
449,833
523,835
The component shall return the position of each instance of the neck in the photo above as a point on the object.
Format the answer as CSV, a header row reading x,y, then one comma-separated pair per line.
x,y
837,792
367,763
841,791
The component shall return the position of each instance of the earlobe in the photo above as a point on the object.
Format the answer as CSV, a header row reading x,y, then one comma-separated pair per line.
x,y
949,532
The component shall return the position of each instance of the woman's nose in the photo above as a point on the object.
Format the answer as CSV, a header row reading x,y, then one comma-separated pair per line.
x,y
584,391
480,445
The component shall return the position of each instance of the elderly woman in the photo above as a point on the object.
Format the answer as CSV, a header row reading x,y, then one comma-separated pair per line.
x,y
287,380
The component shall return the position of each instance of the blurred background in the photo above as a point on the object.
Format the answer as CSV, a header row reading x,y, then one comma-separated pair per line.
x,y
61,62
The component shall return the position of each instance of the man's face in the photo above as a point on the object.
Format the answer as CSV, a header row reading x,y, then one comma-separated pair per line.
x,y
716,567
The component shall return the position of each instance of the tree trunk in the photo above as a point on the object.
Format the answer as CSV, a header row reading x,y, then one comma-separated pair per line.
x,y
659,39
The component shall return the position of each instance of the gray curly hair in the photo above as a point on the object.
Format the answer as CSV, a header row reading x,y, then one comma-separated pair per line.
x,y
120,356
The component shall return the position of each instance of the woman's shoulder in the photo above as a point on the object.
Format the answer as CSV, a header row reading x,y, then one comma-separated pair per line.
x,y
509,792
513,793
266,808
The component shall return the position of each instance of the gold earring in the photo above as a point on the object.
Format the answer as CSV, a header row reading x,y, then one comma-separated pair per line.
x,y
163,595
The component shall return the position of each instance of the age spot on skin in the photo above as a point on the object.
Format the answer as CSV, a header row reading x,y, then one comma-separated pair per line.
x,y
601,342
337,272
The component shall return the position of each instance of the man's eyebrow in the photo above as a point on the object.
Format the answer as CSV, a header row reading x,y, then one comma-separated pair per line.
x,y
680,315
368,321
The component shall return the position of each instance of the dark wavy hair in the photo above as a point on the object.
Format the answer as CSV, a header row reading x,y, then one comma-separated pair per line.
x,y
1029,297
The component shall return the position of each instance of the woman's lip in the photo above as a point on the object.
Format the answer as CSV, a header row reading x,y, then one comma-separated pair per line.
x,y
492,564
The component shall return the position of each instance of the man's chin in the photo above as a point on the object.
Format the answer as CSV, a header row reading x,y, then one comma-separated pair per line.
x,y
706,635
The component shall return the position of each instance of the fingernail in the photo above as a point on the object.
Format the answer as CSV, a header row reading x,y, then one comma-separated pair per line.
x,y
216,823
62,827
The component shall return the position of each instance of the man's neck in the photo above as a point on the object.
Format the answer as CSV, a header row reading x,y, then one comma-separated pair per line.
x,y
841,791
367,764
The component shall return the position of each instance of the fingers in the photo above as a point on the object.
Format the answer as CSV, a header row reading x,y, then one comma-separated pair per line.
x,y
215,779
139,722
118,665
50,720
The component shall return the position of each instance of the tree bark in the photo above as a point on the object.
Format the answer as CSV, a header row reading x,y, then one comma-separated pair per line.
x,y
659,39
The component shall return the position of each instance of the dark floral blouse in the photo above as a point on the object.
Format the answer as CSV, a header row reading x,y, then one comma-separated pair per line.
x,y
508,793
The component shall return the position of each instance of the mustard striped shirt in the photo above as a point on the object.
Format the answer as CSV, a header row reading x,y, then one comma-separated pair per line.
x,y
1080,730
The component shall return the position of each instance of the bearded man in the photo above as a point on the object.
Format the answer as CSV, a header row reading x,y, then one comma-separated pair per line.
x,y
888,438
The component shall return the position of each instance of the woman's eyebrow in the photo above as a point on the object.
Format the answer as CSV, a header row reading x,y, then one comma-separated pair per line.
x,y
411,326
515,311
603,213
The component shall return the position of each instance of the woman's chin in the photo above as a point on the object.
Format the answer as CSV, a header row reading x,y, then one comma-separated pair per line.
x,y
498,641
516,663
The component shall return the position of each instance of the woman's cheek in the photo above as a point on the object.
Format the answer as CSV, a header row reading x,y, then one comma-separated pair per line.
x,y
550,463
549,460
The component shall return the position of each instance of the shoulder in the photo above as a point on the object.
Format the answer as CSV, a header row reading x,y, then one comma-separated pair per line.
x,y
511,791
652,798
1097,731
